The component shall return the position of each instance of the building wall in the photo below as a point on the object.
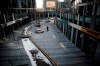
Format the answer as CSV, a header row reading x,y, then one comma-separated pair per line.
x,y
15,12
82,23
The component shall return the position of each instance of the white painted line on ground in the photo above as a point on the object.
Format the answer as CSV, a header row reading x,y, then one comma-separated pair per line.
x,y
54,36
62,45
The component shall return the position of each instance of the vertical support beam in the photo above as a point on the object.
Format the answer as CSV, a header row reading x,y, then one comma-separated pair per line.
x,y
13,16
94,11
97,55
31,10
4,18
26,7
93,21
3,26
48,14
20,14
82,41
78,19
44,5
43,14
35,15
84,12
76,36
72,34
68,17
31,3
94,8
73,17
60,15
52,13
26,3
39,14
13,26
17,14
3,30
66,30
7,18
63,28
19,4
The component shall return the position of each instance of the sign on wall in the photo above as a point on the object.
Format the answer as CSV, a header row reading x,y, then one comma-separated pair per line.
x,y
51,4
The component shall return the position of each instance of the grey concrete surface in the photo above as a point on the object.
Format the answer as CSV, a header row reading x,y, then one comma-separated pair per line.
x,y
12,52
58,47
53,42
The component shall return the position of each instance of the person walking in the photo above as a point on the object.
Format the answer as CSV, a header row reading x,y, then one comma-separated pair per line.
x,y
47,28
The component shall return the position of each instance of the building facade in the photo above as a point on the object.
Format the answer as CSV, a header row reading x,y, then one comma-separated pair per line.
x,y
80,22
14,13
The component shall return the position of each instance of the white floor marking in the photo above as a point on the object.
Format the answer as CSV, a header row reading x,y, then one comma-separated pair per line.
x,y
54,36
62,45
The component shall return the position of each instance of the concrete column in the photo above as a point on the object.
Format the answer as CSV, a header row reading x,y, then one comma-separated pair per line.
x,y
97,55
4,18
31,3
76,36
94,11
60,15
82,41
13,16
63,28
26,7
39,14
48,14
72,34
52,13
19,4
93,22
3,26
94,8
78,19
84,13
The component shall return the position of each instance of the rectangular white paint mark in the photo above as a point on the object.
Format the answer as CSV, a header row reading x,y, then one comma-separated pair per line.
x,y
54,36
62,45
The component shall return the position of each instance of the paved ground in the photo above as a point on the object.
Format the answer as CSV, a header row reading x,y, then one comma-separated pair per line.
x,y
53,42
64,52
12,52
